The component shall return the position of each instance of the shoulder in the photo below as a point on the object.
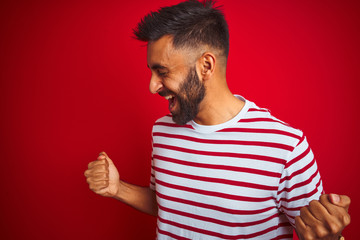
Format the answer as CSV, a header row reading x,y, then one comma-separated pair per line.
x,y
262,120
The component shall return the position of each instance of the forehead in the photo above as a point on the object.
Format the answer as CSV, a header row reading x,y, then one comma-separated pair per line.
x,y
162,53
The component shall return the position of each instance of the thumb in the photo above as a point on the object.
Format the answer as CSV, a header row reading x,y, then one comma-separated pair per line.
x,y
340,200
104,154
106,157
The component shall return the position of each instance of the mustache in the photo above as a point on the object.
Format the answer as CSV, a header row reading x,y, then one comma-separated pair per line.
x,y
165,92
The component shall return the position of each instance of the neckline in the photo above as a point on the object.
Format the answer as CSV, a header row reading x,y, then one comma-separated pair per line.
x,y
217,127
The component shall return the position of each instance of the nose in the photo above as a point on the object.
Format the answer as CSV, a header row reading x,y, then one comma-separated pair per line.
x,y
155,84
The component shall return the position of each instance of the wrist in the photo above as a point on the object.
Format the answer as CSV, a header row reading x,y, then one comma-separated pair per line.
x,y
120,190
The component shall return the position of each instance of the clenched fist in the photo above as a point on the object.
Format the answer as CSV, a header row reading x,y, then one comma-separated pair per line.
x,y
325,218
103,177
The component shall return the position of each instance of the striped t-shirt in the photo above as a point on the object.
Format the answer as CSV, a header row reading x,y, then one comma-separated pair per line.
x,y
243,179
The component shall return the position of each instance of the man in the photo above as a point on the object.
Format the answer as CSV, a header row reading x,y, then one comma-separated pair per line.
x,y
222,167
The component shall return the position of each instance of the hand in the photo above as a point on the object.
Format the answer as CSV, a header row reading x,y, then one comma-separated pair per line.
x,y
103,177
323,219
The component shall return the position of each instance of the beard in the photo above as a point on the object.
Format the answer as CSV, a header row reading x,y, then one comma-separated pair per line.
x,y
191,93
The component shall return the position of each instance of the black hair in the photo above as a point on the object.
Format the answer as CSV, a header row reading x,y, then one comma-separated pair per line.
x,y
190,23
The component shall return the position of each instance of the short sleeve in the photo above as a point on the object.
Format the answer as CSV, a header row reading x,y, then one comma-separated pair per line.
x,y
300,181
152,176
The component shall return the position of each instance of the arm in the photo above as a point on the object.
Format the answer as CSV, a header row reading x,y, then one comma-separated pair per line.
x,y
324,216
141,198
323,219
104,179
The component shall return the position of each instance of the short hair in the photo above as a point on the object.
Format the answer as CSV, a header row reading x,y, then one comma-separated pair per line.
x,y
190,23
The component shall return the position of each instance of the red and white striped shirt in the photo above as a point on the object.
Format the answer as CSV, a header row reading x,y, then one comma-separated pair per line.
x,y
244,179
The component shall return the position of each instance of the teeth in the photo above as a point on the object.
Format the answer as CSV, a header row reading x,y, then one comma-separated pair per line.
x,y
169,97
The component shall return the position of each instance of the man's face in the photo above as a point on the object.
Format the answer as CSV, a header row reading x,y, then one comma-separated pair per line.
x,y
184,105
174,79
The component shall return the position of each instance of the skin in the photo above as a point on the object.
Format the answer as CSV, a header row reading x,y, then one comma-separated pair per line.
x,y
186,101
323,219
219,104
104,179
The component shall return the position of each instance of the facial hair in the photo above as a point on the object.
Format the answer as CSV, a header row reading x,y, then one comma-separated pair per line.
x,y
191,93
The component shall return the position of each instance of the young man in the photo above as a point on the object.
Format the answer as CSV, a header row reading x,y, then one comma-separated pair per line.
x,y
222,167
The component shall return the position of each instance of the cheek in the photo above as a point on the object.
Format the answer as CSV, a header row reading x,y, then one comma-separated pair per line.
x,y
172,85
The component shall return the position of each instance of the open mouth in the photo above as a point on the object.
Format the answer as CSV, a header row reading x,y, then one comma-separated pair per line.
x,y
172,102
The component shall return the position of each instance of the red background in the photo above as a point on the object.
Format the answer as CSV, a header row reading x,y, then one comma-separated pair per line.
x,y
74,83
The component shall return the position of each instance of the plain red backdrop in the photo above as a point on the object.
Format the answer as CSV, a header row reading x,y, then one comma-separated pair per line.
x,y
74,83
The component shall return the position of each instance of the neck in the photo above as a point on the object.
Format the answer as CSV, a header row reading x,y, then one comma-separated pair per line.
x,y
218,106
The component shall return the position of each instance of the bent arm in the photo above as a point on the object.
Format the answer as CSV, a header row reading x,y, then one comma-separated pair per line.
x,y
140,198
104,179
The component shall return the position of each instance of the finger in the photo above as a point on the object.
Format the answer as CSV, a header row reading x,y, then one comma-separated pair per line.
x,y
313,224
96,186
104,154
308,218
334,198
99,169
302,230
110,162
340,200
87,173
318,210
98,177
97,162
103,192
339,219
330,207
333,209
96,171
328,220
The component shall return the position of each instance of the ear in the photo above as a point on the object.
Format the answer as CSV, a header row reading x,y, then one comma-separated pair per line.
x,y
206,65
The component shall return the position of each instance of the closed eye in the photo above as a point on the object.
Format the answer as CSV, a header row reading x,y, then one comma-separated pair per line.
x,y
162,74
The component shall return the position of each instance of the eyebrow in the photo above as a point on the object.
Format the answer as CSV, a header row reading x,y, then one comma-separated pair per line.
x,y
156,66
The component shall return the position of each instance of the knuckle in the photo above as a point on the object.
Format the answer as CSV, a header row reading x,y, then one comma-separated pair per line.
x,y
103,167
334,228
324,197
320,232
303,211
346,219
313,203
298,225
308,236
347,200
99,168
100,176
